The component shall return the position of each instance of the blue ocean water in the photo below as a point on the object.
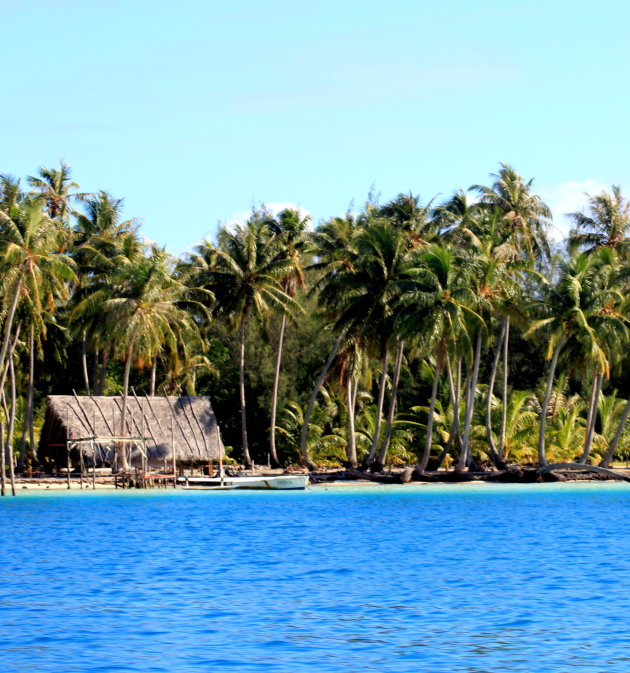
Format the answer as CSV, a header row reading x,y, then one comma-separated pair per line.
x,y
437,578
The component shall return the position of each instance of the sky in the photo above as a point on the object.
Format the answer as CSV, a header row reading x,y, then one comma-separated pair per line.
x,y
194,111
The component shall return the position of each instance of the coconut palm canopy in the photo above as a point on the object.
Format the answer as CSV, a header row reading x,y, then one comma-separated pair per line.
x,y
455,308
186,425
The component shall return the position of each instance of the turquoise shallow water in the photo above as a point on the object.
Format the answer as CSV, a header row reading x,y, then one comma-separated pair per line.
x,y
465,578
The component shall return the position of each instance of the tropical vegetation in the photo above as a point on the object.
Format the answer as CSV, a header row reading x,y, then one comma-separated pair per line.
x,y
408,332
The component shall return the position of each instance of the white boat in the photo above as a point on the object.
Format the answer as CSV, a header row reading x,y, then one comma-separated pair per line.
x,y
284,482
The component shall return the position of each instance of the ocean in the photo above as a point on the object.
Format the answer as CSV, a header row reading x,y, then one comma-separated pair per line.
x,y
462,578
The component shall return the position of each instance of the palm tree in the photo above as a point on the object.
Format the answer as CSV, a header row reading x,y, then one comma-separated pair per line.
x,y
365,297
245,271
457,215
143,309
435,309
579,310
496,261
612,447
55,187
515,226
407,215
607,225
10,192
33,266
525,214
334,247
292,237
101,239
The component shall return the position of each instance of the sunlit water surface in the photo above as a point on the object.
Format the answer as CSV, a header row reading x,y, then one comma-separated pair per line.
x,y
449,579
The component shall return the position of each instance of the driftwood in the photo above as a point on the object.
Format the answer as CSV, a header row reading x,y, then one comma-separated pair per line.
x,y
579,467
380,477
513,474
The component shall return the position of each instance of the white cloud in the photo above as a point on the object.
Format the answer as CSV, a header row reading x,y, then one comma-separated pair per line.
x,y
568,197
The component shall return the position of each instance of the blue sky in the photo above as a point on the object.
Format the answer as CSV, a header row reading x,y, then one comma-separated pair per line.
x,y
193,111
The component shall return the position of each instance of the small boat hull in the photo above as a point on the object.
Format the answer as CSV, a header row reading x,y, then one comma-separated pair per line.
x,y
284,482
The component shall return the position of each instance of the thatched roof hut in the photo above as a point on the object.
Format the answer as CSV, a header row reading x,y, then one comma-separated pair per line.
x,y
161,425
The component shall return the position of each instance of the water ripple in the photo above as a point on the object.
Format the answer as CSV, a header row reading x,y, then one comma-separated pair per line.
x,y
449,579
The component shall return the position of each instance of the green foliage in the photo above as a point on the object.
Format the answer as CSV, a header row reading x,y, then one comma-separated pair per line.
x,y
432,275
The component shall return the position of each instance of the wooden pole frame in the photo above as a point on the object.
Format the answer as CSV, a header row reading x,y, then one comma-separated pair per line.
x,y
3,475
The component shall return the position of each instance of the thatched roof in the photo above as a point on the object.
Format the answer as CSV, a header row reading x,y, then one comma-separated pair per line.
x,y
186,423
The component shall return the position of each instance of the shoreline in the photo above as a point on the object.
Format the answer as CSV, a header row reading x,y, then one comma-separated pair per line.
x,y
341,478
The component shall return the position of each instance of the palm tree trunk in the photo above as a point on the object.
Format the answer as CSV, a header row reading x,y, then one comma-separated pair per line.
x,y
379,406
461,462
12,416
101,382
122,448
589,413
428,442
351,451
8,324
86,378
590,430
496,456
153,373
610,452
389,427
31,435
458,394
95,370
504,406
542,458
465,453
6,452
3,466
274,394
241,384
306,459
454,395
29,398
355,392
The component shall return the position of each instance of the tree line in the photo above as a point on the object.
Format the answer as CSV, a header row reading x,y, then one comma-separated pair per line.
x,y
437,334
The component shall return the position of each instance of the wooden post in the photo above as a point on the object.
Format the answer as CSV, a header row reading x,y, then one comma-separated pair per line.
x,y
3,489
143,443
81,465
220,452
11,468
93,465
68,444
68,467
94,451
173,451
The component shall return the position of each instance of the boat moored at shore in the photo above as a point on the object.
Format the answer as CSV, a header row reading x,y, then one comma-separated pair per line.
x,y
284,482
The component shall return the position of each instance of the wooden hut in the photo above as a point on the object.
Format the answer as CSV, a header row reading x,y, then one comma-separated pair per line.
x,y
157,431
